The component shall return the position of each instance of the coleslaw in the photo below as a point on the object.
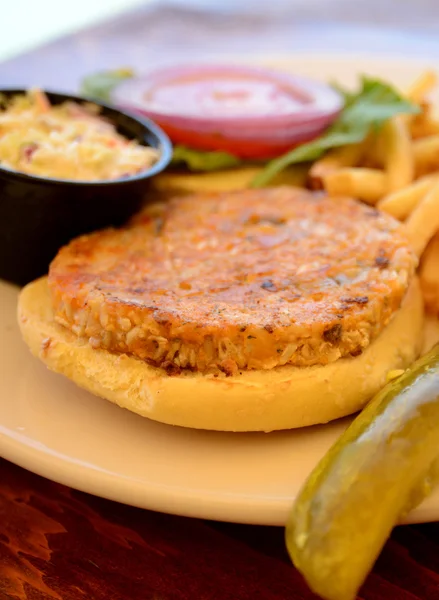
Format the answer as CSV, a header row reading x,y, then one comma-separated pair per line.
x,y
66,141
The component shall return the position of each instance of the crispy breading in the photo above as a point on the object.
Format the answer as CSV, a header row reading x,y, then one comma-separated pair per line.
x,y
243,280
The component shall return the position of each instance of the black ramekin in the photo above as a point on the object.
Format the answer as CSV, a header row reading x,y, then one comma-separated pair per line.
x,y
38,215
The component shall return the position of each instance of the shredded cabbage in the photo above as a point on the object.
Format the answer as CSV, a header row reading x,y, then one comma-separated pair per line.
x,y
66,141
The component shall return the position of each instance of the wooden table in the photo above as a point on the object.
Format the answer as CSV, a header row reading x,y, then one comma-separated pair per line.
x,y
56,543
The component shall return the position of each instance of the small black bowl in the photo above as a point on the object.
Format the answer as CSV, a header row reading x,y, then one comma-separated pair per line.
x,y
38,215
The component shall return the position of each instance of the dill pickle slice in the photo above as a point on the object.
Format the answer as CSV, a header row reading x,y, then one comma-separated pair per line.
x,y
385,463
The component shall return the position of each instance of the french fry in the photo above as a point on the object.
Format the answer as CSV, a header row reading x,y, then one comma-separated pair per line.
x,y
391,150
397,149
417,94
427,127
347,156
401,203
423,222
368,185
422,87
429,275
426,154
425,123
374,155
223,181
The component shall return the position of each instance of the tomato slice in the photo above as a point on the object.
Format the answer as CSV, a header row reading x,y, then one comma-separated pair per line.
x,y
247,111
250,150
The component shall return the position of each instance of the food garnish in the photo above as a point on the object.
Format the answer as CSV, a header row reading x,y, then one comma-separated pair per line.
x,y
200,160
100,86
364,114
249,112
385,463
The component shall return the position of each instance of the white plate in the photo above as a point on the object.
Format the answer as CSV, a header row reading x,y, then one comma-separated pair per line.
x,y
55,429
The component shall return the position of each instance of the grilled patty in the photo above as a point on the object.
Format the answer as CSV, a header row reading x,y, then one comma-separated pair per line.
x,y
243,280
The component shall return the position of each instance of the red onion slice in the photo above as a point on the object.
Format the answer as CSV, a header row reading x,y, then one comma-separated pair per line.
x,y
244,103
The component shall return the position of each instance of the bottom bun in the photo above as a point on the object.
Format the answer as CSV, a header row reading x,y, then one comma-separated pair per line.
x,y
282,398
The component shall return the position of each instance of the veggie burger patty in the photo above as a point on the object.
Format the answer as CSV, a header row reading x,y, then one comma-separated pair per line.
x,y
247,280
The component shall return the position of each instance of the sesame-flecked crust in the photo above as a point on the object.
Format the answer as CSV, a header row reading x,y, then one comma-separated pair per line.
x,y
243,280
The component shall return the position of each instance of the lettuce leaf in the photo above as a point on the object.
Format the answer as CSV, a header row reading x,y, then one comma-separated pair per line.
x,y
99,86
201,160
364,112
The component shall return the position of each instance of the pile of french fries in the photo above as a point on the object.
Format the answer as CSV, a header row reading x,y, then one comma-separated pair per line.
x,y
397,170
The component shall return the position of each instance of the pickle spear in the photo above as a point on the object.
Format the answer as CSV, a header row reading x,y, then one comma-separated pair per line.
x,y
385,463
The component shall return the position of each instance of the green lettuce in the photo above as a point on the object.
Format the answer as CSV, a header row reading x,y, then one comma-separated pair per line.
x,y
99,86
201,160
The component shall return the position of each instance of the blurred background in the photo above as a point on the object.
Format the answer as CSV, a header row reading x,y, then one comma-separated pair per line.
x,y
138,33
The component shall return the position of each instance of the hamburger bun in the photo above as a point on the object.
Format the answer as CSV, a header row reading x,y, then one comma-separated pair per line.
x,y
280,398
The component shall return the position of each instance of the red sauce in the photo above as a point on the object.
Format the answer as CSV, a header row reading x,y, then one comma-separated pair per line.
x,y
221,94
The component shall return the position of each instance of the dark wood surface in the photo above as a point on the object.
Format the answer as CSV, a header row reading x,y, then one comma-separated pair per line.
x,y
57,543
